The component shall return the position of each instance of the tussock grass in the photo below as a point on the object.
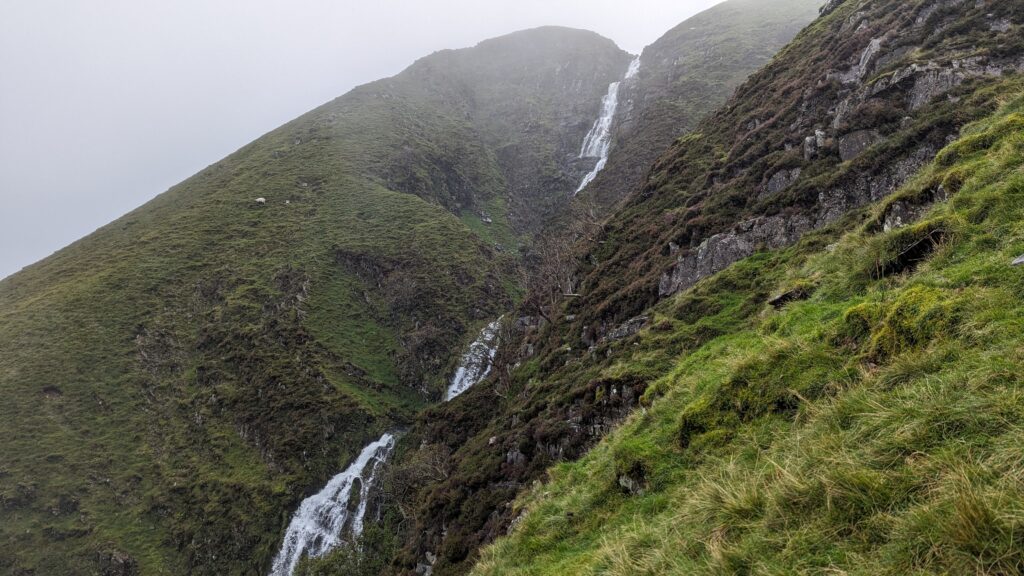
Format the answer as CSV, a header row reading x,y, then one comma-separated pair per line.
x,y
874,428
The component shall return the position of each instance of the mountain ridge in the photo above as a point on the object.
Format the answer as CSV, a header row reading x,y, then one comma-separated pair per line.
x,y
179,379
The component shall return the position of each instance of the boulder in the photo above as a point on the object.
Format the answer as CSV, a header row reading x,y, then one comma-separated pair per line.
x,y
628,328
782,180
855,143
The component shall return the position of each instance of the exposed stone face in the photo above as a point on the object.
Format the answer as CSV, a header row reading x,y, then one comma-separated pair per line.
x,y
931,80
854,143
830,6
627,329
721,250
812,144
856,73
773,232
905,212
781,180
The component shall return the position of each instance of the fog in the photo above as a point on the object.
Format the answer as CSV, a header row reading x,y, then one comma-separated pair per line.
x,y
104,105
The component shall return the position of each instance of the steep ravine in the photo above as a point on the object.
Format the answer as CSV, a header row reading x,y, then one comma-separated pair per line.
x,y
846,115
177,382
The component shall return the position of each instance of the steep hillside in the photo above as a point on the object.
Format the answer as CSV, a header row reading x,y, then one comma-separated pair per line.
x,y
844,116
686,75
870,425
175,382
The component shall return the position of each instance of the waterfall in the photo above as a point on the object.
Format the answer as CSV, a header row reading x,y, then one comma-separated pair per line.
x,y
476,362
598,140
319,525
321,519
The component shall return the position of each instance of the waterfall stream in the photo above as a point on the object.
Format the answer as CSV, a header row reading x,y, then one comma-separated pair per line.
x,y
476,362
599,139
324,520
321,520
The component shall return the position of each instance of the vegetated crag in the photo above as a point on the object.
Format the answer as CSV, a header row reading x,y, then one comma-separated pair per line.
x,y
187,373
849,112
846,114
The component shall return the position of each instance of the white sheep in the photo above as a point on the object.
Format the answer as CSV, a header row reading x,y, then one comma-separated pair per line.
x,y
261,200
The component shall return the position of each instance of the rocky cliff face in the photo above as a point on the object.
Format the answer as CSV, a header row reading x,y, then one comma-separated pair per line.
x,y
843,116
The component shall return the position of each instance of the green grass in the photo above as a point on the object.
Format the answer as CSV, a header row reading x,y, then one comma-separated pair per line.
x,y
177,381
874,428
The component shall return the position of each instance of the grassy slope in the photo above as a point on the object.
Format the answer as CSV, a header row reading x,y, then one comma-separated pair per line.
x,y
555,398
874,428
174,382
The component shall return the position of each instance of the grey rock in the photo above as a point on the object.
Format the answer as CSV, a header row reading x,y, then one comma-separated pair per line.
x,y
854,143
628,328
900,214
773,232
630,485
856,72
721,250
832,204
829,6
515,457
1019,261
932,80
810,148
1001,25
781,180
905,212
812,144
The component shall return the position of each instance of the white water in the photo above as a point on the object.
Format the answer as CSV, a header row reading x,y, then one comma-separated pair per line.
x,y
598,140
318,524
476,362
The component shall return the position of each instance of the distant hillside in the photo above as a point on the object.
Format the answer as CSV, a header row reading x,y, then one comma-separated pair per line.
x,y
175,382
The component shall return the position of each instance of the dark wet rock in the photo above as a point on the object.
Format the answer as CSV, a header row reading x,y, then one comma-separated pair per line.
x,y
1001,25
857,72
515,458
792,295
832,204
907,211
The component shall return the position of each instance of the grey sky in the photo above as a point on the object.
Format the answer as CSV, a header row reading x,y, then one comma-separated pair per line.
x,y
105,104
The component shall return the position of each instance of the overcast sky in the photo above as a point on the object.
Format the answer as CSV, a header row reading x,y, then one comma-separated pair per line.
x,y
106,103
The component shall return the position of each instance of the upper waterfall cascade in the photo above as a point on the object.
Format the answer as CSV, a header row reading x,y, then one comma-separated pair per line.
x,y
598,140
